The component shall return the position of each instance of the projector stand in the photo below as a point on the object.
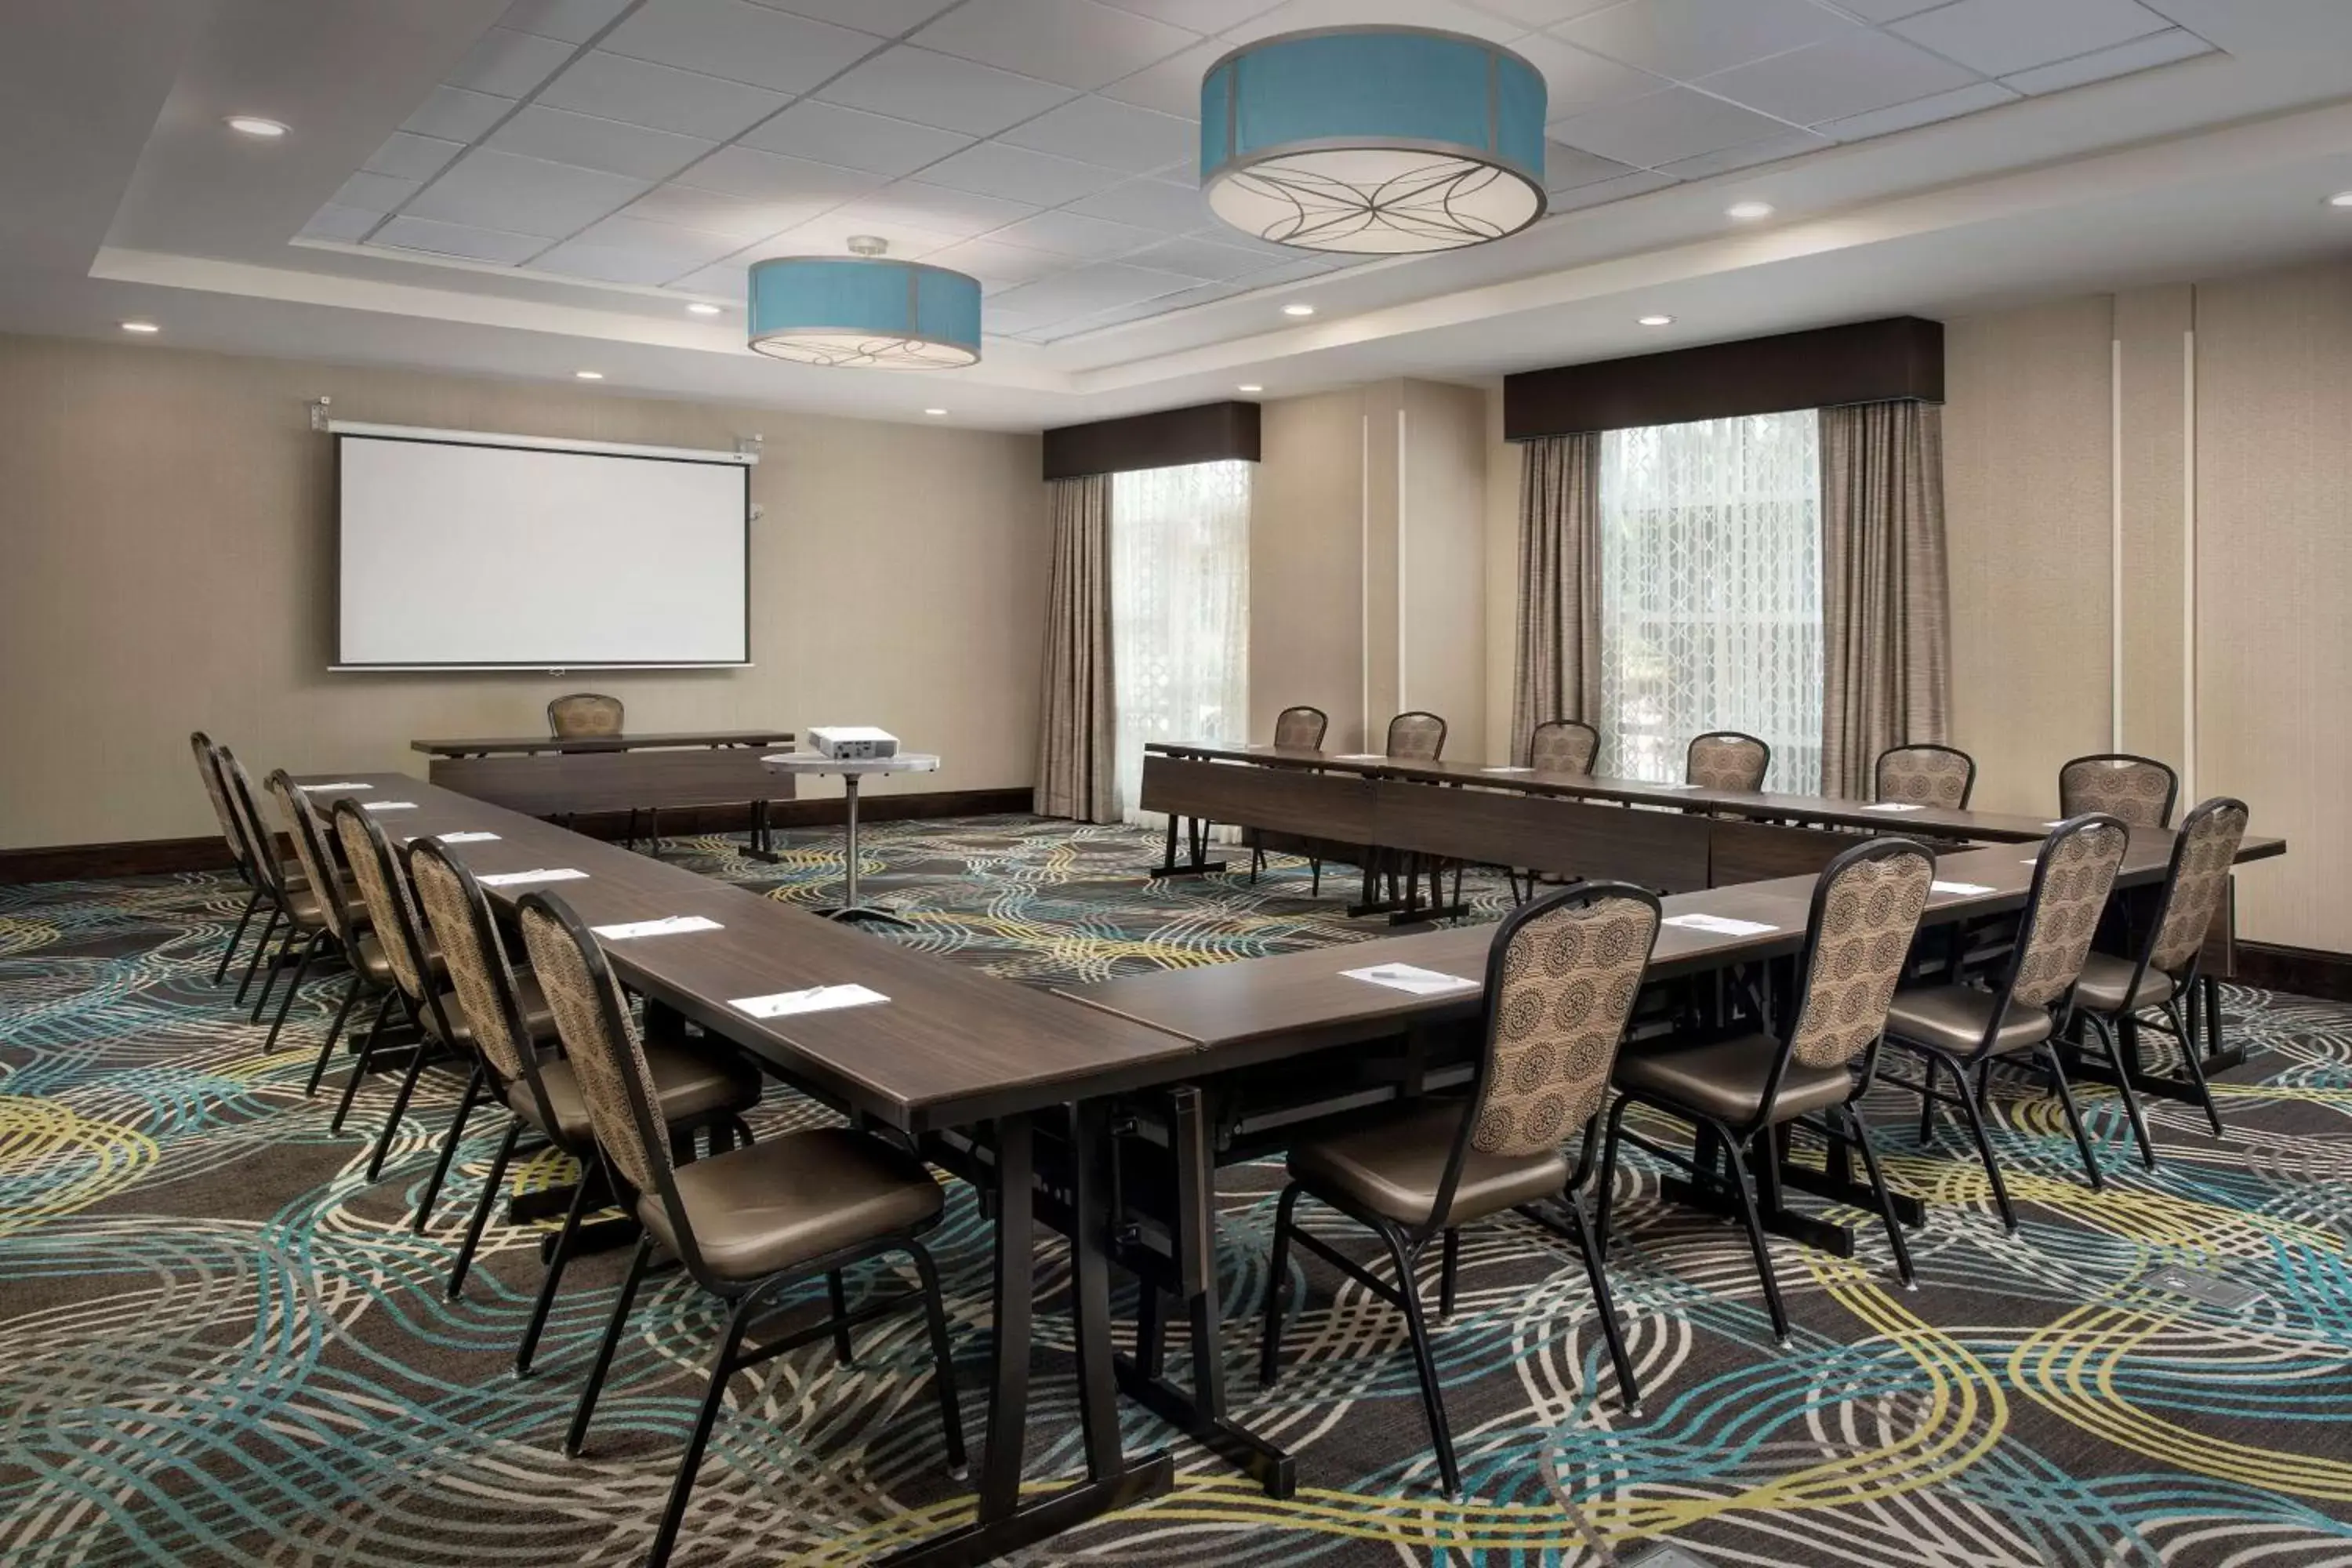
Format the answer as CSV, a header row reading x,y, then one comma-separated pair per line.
x,y
849,907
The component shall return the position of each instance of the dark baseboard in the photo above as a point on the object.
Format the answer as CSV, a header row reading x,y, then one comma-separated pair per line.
x,y
158,857
2304,970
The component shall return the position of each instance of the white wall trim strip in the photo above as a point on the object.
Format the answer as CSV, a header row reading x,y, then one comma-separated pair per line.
x,y
2188,560
1403,580
2115,545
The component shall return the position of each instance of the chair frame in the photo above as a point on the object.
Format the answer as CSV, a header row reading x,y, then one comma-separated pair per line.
x,y
1878,765
1756,740
1591,729
554,729
1737,1139
1406,1243
261,845
1975,1103
335,930
233,835
2171,777
1322,728
746,1298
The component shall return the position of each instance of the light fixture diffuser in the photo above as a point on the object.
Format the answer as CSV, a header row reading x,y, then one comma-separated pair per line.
x,y
863,310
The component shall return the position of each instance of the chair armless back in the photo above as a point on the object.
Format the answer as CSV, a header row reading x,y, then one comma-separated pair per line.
x,y
2202,855
1300,729
2138,789
390,911
1940,776
583,713
311,853
1728,760
2071,879
208,769
260,843
1866,908
1563,746
1416,738
458,914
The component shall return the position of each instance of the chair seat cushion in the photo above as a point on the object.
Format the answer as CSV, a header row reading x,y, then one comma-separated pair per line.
x,y
690,1080
537,1018
2105,978
302,906
795,1197
1955,1018
1391,1166
1726,1078
378,968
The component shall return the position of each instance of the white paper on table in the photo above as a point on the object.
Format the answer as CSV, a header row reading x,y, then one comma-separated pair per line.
x,y
2060,823
1360,757
1893,805
469,838
1671,786
1412,978
345,783
815,999
387,806
669,925
1507,770
1719,925
545,873
1967,889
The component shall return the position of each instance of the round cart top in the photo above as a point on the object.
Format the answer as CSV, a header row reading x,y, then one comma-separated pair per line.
x,y
816,763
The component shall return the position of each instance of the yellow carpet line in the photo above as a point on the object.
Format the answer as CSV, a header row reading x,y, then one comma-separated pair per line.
x,y
37,1132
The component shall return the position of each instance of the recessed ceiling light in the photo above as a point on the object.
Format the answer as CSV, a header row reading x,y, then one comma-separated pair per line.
x,y
1249,386
1747,212
699,309
254,125
1656,320
2340,199
588,375
1298,310
936,413
141,327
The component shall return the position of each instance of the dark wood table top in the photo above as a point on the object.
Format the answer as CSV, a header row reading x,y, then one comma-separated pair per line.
x,y
951,1046
492,745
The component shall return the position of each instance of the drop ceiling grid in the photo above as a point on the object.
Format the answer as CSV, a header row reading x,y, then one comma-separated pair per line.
x,y
1054,166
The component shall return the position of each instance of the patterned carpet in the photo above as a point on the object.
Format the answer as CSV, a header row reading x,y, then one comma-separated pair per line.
x,y
216,1345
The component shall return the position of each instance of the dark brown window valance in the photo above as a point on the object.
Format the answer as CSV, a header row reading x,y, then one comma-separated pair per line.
x,y
1209,432
1900,359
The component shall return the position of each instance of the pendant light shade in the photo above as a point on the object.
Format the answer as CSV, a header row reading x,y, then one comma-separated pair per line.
x,y
1373,140
863,310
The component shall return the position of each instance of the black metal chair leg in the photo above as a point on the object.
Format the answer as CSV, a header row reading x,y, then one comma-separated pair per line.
x,y
449,1140
2192,1058
334,1032
482,1206
1315,879
253,961
1878,1188
935,1319
293,988
1449,1265
399,1109
1433,1397
1606,1190
1927,1099
722,1365
838,1294
1984,1149
2109,1043
2074,1115
1269,1366
318,1067
1629,1390
220,971
554,1275
272,970
367,1058
1736,1158
577,1438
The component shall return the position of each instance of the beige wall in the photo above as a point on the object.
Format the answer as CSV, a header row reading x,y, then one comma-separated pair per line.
x,y
1306,586
169,537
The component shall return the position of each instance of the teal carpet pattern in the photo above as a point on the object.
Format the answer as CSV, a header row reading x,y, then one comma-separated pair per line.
x,y
219,1345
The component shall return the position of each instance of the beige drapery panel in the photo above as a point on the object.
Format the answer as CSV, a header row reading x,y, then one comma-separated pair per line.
x,y
1076,762
1885,607
1556,673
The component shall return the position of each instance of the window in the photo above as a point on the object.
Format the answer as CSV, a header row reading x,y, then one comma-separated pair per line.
x,y
1711,593
1179,611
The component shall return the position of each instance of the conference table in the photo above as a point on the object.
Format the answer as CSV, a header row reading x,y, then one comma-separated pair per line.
x,y
566,775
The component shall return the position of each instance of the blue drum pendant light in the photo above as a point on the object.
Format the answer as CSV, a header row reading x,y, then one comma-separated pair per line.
x,y
1373,140
863,310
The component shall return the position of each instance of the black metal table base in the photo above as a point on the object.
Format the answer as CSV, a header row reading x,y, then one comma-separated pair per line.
x,y
763,839
1196,843
1199,1413
984,1541
863,914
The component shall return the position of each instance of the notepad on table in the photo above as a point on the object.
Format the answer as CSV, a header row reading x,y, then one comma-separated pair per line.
x,y
1719,925
1412,978
469,838
1964,889
669,925
387,806
1507,770
544,874
344,783
1894,805
1360,757
815,999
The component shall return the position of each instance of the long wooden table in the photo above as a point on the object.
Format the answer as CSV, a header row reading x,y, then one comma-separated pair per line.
x,y
951,1047
564,775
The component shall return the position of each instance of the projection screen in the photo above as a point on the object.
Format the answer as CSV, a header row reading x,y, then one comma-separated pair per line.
x,y
464,551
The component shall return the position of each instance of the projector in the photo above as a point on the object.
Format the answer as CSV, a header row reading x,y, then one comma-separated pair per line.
x,y
853,741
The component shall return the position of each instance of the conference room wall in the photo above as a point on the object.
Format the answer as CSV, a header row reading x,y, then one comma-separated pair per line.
x,y
170,564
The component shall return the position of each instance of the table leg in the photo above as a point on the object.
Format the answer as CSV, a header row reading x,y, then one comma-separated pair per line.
x,y
850,908
763,837
1196,862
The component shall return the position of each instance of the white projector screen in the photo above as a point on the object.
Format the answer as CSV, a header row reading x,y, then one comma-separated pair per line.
x,y
472,552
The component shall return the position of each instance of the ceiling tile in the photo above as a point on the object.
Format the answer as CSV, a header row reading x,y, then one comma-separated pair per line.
x,y
1547,13
508,64
887,18
1999,36
459,239
1200,258
523,195
1173,86
853,138
994,169
376,193
561,136
829,234
1577,79
1769,150
1082,291
1148,310
599,265
413,157
727,281
1299,268
738,217
1920,112
639,92
1888,10
1663,127
1447,15
697,248
938,89
1117,135
937,208
1566,167
1841,77
454,114
349,225
1148,204
628,250
1602,193
771,177
574,21
1197,15
1072,235
741,42
2141,54
1002,265
1686,38
1075,42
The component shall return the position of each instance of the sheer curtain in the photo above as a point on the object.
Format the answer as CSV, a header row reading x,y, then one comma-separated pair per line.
x,y
1711,593
1180,612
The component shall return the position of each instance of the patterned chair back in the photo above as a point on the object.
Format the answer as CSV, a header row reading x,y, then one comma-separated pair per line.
x,y
2138,789
313,855
458,914
1300,729
1562,975
209,768
260,843
2072,880
2201,858
582,714
1940,776
1728,760
1866,908
392,909
1416,737
1563,746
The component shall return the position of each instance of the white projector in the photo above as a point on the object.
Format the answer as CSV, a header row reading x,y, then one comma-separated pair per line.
x,y
853,741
